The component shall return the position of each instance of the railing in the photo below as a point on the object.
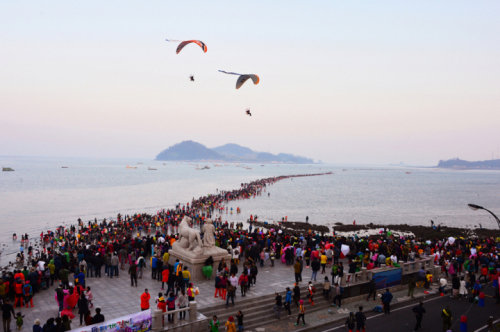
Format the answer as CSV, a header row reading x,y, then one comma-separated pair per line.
x,y
365,275
160,318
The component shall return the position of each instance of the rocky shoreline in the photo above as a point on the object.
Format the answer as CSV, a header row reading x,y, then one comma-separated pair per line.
x,y
424,232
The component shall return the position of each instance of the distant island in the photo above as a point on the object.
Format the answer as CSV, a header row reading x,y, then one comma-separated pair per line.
x,y
193,151
464,164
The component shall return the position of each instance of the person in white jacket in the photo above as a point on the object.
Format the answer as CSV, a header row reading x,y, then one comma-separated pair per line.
x,y
234,281
463,290
443,282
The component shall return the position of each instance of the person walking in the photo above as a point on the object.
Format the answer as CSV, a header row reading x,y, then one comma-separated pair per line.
x,y
83,307
442,285
239,317
296,295
183,302
372,286
338,295
164,277
350,322
230,327
288,300
386,300
455,283
419,314
114,265
242,282
296,268
312,291
447,318
326,288
132,270
145,300
302,313
7,313
277,305
411,287
360,320
230,294
315,266
214,324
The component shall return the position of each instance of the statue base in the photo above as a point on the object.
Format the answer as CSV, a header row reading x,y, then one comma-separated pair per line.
x,y
195,259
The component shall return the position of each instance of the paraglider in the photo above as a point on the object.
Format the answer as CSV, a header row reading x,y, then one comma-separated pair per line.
x,y
243,78
184,43
248,112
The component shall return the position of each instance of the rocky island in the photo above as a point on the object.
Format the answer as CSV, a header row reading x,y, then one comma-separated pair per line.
x,y
493,164
193,151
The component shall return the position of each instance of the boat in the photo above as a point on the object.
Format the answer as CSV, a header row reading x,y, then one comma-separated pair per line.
x,y
206,167
408,172
164,164
329,173
140,163
64,167
262,165
7,169
131,167
151,169
344,170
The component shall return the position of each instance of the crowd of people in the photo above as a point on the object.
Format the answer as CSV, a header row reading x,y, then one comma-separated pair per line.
x,y
70,257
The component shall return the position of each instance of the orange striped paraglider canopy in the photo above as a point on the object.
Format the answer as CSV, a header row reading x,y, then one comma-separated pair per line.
x,y
184,43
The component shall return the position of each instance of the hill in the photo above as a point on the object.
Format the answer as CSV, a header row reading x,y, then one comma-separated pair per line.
x,y
232,149
464,164
188,150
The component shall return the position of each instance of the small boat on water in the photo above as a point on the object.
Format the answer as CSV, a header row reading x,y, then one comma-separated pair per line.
x,y
64,167
140,163
164,164
329,173
408,172
130,167
7,169
151,169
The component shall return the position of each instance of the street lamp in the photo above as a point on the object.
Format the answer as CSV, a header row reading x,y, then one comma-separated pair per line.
x,y
477,207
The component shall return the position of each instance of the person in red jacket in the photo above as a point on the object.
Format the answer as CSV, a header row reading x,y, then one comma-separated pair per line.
x,y
164,277
145,300
243,282
18,289
163,306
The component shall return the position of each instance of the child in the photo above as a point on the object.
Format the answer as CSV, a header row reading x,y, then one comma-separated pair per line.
x,y
273,256
157,299
19,321
88,295
311,290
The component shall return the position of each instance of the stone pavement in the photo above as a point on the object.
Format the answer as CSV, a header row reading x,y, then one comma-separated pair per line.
x,y
117,298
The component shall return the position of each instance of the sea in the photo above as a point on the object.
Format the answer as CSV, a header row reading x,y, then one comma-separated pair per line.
x,y
40,194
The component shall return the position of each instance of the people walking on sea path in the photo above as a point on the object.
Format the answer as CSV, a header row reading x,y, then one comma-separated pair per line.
x,y
74,256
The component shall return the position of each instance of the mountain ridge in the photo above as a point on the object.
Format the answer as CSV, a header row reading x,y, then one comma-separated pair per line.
x,y
231,152
493,164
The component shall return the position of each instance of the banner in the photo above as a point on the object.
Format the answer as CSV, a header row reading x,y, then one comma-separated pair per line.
x,y
138,322
389,278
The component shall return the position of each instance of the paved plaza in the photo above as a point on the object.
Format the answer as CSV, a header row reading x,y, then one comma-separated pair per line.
x,y
117,298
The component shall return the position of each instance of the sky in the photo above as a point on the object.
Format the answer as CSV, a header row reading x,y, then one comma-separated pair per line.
x,y
371,82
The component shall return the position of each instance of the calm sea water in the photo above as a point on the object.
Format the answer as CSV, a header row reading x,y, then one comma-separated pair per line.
x,y
41,195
